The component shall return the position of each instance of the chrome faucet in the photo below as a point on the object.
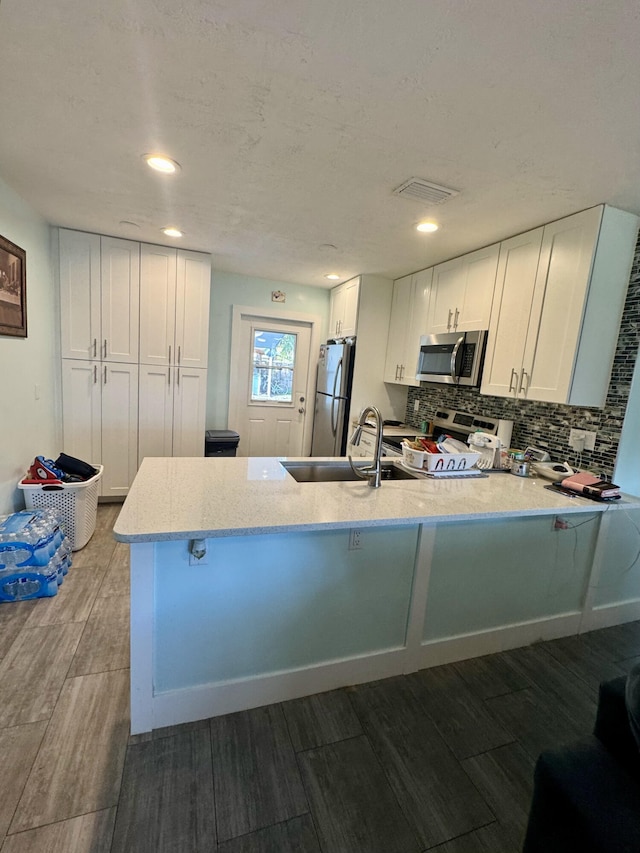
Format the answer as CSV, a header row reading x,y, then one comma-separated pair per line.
x,y
372,474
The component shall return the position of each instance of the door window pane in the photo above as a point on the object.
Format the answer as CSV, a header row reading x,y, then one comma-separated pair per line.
x,y
274,355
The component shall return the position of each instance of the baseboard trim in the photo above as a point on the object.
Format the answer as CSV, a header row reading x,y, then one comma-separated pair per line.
x,y
212,700
607,615
476,644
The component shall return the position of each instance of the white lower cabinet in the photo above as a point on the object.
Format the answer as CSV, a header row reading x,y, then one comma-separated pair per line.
x,y
367,447
100,419
172,411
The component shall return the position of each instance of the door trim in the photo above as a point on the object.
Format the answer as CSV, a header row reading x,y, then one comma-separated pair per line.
x,y
314,321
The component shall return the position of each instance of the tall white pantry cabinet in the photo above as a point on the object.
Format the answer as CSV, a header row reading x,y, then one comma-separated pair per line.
x,y
130,311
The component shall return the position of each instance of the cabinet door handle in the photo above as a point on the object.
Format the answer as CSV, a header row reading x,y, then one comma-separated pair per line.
x,y
513,373
95,347
522,387
455,320
396,376
169,353
169,375
401,372
178,376
95,374
179,353
449,319
105,374
105,348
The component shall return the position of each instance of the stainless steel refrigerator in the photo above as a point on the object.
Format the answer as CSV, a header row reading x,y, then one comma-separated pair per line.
x,y
333,399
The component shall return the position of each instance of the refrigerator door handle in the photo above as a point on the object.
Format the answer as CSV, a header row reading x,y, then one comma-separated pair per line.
x,y
334,423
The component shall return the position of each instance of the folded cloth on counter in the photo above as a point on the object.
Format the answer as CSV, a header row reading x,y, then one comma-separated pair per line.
x,y
591,485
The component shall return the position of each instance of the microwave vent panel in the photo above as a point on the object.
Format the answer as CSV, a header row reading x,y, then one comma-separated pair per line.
x,y
425,191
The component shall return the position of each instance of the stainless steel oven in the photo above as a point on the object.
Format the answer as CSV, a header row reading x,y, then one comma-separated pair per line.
x,y
454,358
392,446
460,425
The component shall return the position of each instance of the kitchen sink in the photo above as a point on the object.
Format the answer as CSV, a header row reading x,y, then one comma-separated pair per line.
x,y
340,472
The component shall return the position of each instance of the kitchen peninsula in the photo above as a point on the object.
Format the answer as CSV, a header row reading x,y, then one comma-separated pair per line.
x,y
286,602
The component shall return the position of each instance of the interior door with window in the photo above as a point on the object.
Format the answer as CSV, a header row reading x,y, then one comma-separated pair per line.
x,y
271,397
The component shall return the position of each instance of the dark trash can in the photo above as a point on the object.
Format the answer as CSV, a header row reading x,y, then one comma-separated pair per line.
x,y
221,442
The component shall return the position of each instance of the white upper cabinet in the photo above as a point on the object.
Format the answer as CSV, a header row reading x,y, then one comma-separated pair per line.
x,y
409,310
120,299
462,292
400,316
510,313
420,302
174,307
158,304
193,288
80,294
99,297
575,307
343,310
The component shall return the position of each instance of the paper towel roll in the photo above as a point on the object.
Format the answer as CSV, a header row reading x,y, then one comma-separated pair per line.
x,y
505,428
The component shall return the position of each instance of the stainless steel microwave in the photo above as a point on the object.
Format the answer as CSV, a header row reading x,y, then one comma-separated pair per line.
x,y
454,358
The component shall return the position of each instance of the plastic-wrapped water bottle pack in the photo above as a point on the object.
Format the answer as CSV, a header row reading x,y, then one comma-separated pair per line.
x,y
35,554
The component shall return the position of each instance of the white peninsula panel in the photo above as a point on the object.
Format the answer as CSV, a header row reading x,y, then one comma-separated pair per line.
x,y
271,603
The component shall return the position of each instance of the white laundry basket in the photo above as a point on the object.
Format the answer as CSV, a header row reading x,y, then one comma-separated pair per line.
x,y
77,503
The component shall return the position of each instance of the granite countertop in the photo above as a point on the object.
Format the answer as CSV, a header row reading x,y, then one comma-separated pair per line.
x,y
189,498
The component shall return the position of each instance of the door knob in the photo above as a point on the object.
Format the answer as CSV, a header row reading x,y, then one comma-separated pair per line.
x,y
301,410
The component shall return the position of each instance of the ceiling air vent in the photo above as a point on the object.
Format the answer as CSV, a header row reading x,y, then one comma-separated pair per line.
x,y
425,191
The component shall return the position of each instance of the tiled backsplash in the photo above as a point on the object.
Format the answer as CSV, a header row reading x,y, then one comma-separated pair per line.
x,y
547,424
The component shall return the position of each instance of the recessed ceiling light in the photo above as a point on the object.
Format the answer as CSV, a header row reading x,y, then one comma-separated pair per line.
x,y
172,232
332,276
161,164
427,226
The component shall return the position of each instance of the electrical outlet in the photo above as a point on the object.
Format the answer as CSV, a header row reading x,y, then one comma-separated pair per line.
x,y
198,552
416,405
355,540
582,439
560,523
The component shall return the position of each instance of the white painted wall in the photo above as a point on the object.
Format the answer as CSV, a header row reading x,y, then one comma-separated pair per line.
x,y
229,289
627,470
28,426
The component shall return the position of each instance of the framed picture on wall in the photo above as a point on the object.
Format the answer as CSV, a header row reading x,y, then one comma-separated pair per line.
x,y
13,289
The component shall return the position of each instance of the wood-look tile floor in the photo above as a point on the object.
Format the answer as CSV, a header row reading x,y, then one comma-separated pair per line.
x,y
440,760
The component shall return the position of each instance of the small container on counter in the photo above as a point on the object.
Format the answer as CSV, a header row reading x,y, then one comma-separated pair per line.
x,y
520,467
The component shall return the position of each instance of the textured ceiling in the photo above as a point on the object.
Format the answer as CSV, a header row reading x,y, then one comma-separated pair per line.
x,y
294,121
